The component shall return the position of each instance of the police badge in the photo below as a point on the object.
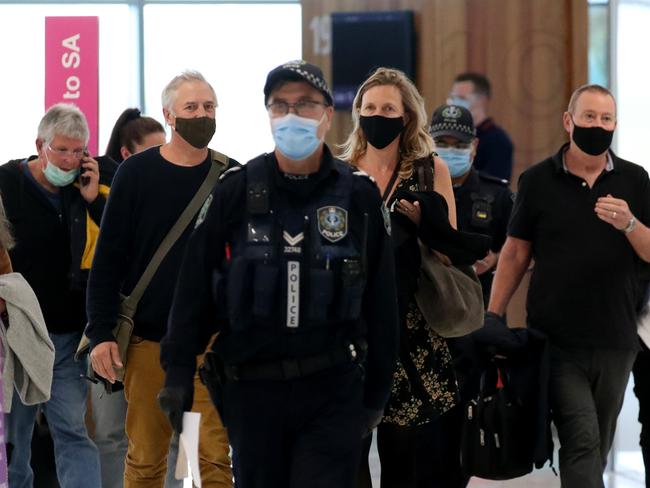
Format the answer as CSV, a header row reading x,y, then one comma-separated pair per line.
x,y
332,223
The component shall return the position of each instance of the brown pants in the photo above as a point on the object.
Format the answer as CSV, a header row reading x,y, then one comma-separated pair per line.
x,y
149,430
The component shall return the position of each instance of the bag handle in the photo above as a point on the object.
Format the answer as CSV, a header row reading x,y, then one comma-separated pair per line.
x,y
219,163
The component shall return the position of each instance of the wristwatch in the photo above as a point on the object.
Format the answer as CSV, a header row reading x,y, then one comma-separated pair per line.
x,y
630,226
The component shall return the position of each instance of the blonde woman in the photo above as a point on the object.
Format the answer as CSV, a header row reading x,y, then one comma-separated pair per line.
x,y
389,141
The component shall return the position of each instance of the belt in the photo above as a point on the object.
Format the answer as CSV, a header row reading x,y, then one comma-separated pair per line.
x,y
288,369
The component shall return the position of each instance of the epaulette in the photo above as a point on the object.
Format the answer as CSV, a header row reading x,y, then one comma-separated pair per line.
x,y
493,179
229,172
365,175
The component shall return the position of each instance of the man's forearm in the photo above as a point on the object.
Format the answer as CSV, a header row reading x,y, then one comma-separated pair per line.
x,y
513,263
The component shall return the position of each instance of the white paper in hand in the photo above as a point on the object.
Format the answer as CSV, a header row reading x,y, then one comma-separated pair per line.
x,y
188,448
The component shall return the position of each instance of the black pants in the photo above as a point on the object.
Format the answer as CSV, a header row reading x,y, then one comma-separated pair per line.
x,y
302,433
426,456
641,371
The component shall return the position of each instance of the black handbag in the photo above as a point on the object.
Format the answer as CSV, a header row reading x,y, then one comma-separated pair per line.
x,y
498,435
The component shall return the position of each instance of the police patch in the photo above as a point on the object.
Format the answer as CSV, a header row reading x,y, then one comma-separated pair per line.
x,y
385,213
204,211
451,112
332,223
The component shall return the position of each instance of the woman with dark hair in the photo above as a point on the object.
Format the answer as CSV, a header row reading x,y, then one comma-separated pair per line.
x,y
132,134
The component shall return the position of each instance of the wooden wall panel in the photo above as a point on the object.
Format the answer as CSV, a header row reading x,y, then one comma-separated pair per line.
x,y
533,51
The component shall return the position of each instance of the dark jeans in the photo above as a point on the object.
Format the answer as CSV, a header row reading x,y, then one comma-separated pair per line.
x,y
586,391
641,371
302,433
426,456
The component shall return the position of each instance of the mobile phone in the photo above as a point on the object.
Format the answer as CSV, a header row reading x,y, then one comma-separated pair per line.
x,y
84,180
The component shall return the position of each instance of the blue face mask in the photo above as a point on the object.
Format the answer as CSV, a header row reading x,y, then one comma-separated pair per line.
x,y
461,102
57,176
296,137
458,160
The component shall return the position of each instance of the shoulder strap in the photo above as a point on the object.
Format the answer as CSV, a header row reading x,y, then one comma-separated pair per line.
x,y
424,170
219,163
391,183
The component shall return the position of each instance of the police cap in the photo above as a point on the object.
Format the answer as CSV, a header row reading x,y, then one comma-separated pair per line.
x,y
454,121
297,71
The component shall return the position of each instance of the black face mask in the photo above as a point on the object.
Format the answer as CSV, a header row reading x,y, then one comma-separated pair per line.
x,y
197,131
381,131
592,140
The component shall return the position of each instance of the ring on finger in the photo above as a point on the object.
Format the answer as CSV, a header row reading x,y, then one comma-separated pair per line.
x,y
614,214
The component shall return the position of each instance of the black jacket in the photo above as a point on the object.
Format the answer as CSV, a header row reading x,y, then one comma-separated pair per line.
x,y
54,248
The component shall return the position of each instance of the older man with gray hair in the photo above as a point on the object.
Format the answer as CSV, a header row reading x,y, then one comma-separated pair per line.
x,y
151,190
54,202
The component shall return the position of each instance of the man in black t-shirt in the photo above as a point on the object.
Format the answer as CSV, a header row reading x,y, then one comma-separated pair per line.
x,y
150,191
581,215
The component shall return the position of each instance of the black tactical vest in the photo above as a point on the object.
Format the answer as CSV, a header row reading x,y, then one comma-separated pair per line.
x,y
294,266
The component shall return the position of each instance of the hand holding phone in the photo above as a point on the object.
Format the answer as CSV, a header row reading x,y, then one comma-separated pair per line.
x,y
83,179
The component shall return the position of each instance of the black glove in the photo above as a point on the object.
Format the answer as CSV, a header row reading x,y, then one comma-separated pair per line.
x,y
372,419
494,320
174,401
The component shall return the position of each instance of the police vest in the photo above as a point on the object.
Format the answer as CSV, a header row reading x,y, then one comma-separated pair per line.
x,y
295,265
482,210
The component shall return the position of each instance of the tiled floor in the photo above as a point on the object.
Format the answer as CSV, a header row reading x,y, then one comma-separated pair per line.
x,y
629,474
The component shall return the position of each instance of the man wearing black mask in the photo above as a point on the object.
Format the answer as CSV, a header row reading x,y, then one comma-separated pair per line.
x,y
581,215
152,189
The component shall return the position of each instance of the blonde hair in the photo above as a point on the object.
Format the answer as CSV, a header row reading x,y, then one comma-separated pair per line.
x,y
415,142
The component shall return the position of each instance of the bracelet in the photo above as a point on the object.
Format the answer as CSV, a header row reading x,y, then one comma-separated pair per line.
x,y
630,226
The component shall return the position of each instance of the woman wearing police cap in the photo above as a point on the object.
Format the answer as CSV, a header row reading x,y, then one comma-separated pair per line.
x,y
390,142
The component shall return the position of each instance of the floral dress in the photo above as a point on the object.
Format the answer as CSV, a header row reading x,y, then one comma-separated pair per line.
x,y
424,382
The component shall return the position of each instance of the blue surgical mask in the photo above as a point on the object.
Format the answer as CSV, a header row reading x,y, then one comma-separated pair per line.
x,y
296,137
461,102
458,160
57,176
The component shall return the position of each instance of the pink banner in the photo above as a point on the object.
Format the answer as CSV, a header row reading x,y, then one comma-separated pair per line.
x,y
72,67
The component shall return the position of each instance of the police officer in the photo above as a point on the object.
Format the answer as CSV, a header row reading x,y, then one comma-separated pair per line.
x,y
483,202
291,263
483,205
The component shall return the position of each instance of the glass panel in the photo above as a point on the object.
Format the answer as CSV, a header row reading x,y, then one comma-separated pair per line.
x,y
599,43
22,35
633,73
234,47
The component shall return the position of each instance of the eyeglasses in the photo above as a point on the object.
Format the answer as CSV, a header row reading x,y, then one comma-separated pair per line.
x,y
77,153
303,108
591,117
